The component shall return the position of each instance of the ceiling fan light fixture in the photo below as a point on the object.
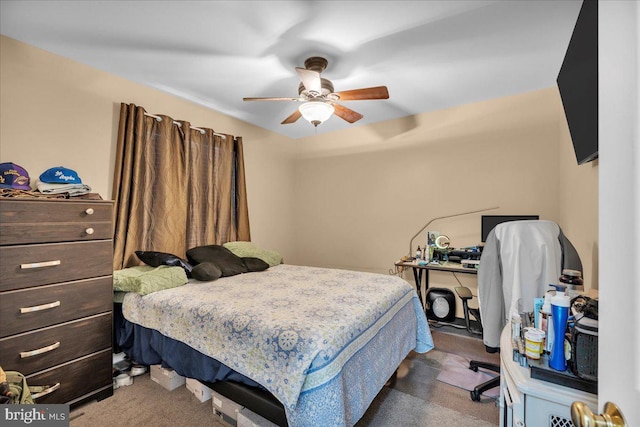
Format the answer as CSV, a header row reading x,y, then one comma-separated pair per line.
x,y
319,99
316,112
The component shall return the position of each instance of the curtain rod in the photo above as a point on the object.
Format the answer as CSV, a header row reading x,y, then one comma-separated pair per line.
x,y
158,118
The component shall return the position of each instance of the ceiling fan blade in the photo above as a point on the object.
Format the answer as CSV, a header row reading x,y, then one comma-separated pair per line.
x,y
310,79
378,92
292,118
346,113
271,99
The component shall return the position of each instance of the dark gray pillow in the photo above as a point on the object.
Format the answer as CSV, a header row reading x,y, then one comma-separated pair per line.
x,y
229,263
155,259
255,264
206,272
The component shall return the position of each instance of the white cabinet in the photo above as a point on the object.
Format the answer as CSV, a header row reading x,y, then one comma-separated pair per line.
x,y
528,402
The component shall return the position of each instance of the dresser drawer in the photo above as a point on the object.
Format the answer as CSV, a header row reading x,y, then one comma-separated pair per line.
x,y
76,379
47,220
28,309
34,351
11,234
25,266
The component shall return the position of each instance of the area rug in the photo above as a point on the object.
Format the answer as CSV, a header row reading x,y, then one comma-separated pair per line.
x,y
455,371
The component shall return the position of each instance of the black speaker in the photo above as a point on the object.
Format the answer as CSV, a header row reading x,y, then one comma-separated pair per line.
x,y
441,305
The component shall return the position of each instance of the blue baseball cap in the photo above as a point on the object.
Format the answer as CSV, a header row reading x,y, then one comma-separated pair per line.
x,y
14,176
60,175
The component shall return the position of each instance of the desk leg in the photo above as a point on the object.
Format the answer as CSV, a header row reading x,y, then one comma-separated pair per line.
x,y
426,287
426,282
417,277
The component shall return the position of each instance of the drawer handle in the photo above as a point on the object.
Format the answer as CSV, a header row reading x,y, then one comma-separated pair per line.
x,y
46,391
89,211
89,230
39,307
25,354
40,264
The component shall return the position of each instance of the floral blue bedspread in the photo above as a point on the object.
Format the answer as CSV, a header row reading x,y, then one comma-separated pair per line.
x,y
290,328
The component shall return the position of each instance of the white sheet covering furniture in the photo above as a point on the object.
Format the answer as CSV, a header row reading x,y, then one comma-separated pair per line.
x,y
519,261
323,341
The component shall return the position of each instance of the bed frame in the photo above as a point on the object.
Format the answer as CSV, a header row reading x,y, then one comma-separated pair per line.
x,y
256,400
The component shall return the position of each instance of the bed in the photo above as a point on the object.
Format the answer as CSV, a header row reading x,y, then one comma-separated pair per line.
x,y
322,342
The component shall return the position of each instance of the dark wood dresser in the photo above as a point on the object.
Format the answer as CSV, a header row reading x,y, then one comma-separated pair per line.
x,y
56,296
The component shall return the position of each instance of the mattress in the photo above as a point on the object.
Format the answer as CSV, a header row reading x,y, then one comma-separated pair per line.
x,y
322,341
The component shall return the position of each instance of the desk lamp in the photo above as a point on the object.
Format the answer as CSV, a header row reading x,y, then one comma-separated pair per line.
x,y
444,217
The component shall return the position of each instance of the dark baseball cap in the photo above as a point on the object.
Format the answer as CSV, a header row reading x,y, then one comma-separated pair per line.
x,y
14,176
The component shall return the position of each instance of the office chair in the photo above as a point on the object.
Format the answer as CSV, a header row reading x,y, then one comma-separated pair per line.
x,y
519,261
465,295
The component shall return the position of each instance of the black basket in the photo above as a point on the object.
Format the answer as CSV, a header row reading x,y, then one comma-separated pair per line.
x,y
584,349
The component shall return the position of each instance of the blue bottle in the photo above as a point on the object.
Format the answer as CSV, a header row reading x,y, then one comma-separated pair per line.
x,y
559,314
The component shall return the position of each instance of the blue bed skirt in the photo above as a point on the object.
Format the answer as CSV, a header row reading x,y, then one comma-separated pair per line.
x,y
149,347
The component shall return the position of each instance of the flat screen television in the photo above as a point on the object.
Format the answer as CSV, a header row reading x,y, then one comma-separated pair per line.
x,y
578,83
488,222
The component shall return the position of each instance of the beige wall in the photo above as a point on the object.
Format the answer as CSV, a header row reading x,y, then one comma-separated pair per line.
x,y
350,199
362,194
56,112
578,200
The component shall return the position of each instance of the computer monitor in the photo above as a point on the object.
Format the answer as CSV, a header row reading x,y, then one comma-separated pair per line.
x,y
490,221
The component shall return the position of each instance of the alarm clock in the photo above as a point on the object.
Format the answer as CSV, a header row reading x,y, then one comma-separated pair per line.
x,y
441,305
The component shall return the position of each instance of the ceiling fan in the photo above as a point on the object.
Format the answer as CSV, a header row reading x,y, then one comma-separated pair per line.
x,y
318,98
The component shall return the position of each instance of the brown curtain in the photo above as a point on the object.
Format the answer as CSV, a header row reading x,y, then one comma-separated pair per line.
x,y
175,187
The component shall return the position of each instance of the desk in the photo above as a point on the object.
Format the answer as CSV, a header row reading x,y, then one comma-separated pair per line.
x,y
418,270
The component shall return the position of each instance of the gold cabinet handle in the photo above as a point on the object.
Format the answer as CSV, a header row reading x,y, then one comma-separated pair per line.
x,y
40,264
39,307
582,416
46,391
89,211
89,230
25,354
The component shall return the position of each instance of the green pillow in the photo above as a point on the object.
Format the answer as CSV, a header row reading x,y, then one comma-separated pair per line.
x,y
118,297
144,279
248,249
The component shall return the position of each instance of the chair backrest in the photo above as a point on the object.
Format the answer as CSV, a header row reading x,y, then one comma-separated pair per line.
x,y
519,261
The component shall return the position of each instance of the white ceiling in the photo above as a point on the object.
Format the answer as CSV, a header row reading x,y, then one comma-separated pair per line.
x,y
431,54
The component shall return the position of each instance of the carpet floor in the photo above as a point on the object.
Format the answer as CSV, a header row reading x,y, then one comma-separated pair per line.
x,y
417,398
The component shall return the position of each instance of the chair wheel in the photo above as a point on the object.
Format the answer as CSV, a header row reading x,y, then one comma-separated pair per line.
x,y
475,396
473,368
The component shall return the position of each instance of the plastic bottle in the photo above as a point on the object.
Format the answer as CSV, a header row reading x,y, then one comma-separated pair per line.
x,y
573,280
560,313
418,253
546,324
516,325
546,317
